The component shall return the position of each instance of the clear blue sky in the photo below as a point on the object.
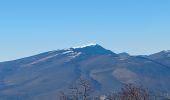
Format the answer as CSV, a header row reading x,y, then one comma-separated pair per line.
x,y
29,27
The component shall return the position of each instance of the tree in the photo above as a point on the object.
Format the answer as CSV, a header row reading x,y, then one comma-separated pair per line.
x,y
79,91
132,92
85,88
63,96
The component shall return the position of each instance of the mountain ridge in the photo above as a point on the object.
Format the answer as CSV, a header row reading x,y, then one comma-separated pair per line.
x,y
42,76
89,45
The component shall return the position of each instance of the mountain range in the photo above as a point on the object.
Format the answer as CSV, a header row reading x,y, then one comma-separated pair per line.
x,y
42,76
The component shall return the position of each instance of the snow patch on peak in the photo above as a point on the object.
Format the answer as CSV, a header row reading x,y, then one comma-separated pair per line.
x,y
88,45
67,52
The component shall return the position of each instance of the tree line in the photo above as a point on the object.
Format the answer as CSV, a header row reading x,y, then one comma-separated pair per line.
x,y
82,90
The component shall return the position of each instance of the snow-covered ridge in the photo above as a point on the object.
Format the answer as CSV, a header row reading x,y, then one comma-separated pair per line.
x,y
40,60
88,45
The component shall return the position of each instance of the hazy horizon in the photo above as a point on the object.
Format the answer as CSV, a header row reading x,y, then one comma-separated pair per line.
x,y
36,26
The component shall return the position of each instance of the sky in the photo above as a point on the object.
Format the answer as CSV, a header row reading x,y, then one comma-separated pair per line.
x,y
29,27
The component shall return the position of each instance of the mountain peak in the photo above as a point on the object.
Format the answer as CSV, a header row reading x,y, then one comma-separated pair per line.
x,y
88,45
123,54
166,51
92,49
161,54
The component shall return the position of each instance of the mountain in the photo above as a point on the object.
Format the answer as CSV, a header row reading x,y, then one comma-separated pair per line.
x,y
123,54
42,76
162,54
162,57
92,49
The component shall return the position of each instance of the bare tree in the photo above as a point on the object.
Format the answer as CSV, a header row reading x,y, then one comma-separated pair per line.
x,y
82,91
74,92
129,92
63,96
112,96
132,92
79,91
85,88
